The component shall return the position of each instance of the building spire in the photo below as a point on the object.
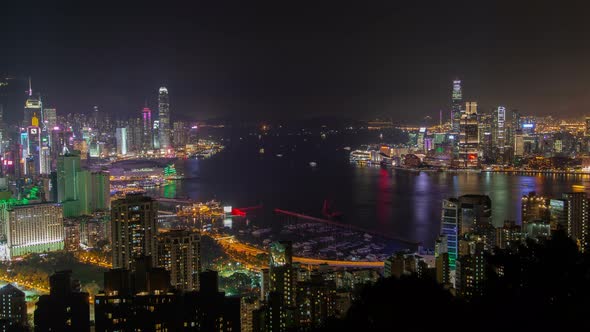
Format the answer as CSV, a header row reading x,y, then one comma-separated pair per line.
x,y
30,87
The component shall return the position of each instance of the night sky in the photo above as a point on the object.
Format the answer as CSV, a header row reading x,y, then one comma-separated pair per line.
x,y
275,60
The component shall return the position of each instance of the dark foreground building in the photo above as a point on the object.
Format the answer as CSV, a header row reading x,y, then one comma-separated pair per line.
x,y
65,308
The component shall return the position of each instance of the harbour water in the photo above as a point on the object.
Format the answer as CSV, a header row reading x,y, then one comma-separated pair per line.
x,y
398,203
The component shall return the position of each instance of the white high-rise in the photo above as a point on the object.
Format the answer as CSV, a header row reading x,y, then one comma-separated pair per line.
x,y
121,137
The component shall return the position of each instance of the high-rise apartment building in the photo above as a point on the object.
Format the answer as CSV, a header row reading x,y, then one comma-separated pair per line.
x,y
65,308
133,229
13,309
179,252
577,219
50,118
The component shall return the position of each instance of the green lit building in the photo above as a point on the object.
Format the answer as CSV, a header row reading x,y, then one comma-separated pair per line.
x,y
81,192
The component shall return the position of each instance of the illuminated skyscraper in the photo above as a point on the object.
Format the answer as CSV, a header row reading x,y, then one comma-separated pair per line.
x,y
68,167
147,131
450,229
179,252
133,229
164,115
121,137
457,98
180,134
156,134
50,118
33,106
499,131
469,137
533,208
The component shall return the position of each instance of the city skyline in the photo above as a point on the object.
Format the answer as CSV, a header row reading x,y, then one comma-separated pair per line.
x,y
391,60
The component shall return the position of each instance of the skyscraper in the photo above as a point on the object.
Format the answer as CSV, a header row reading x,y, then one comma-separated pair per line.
x,y
499,131
179,252
450,229
50,118
147,135
164,115
133,229
456,111
33,106
68,167
180,134
31,145
469,137
121,137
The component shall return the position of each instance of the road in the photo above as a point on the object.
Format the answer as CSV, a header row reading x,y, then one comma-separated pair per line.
x,y
233,244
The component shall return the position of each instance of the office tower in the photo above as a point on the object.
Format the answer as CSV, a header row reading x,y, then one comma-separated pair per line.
x,y
180,134
485,134
96,123
164,115
33,107
179,251
13,309
529,125
65,308
61,141
587,127
133,229
469,137
450,229
68,167
577,219
499,131
135,135
471,270
156,134
534,207
33,228
94,191
121,137
456,106
420,140
146,125
50,118
31,145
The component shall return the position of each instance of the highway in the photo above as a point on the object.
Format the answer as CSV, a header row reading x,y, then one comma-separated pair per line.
x,y
233,244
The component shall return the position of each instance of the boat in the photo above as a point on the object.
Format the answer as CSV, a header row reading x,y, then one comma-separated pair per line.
x,y
347,148
279,155
313,164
